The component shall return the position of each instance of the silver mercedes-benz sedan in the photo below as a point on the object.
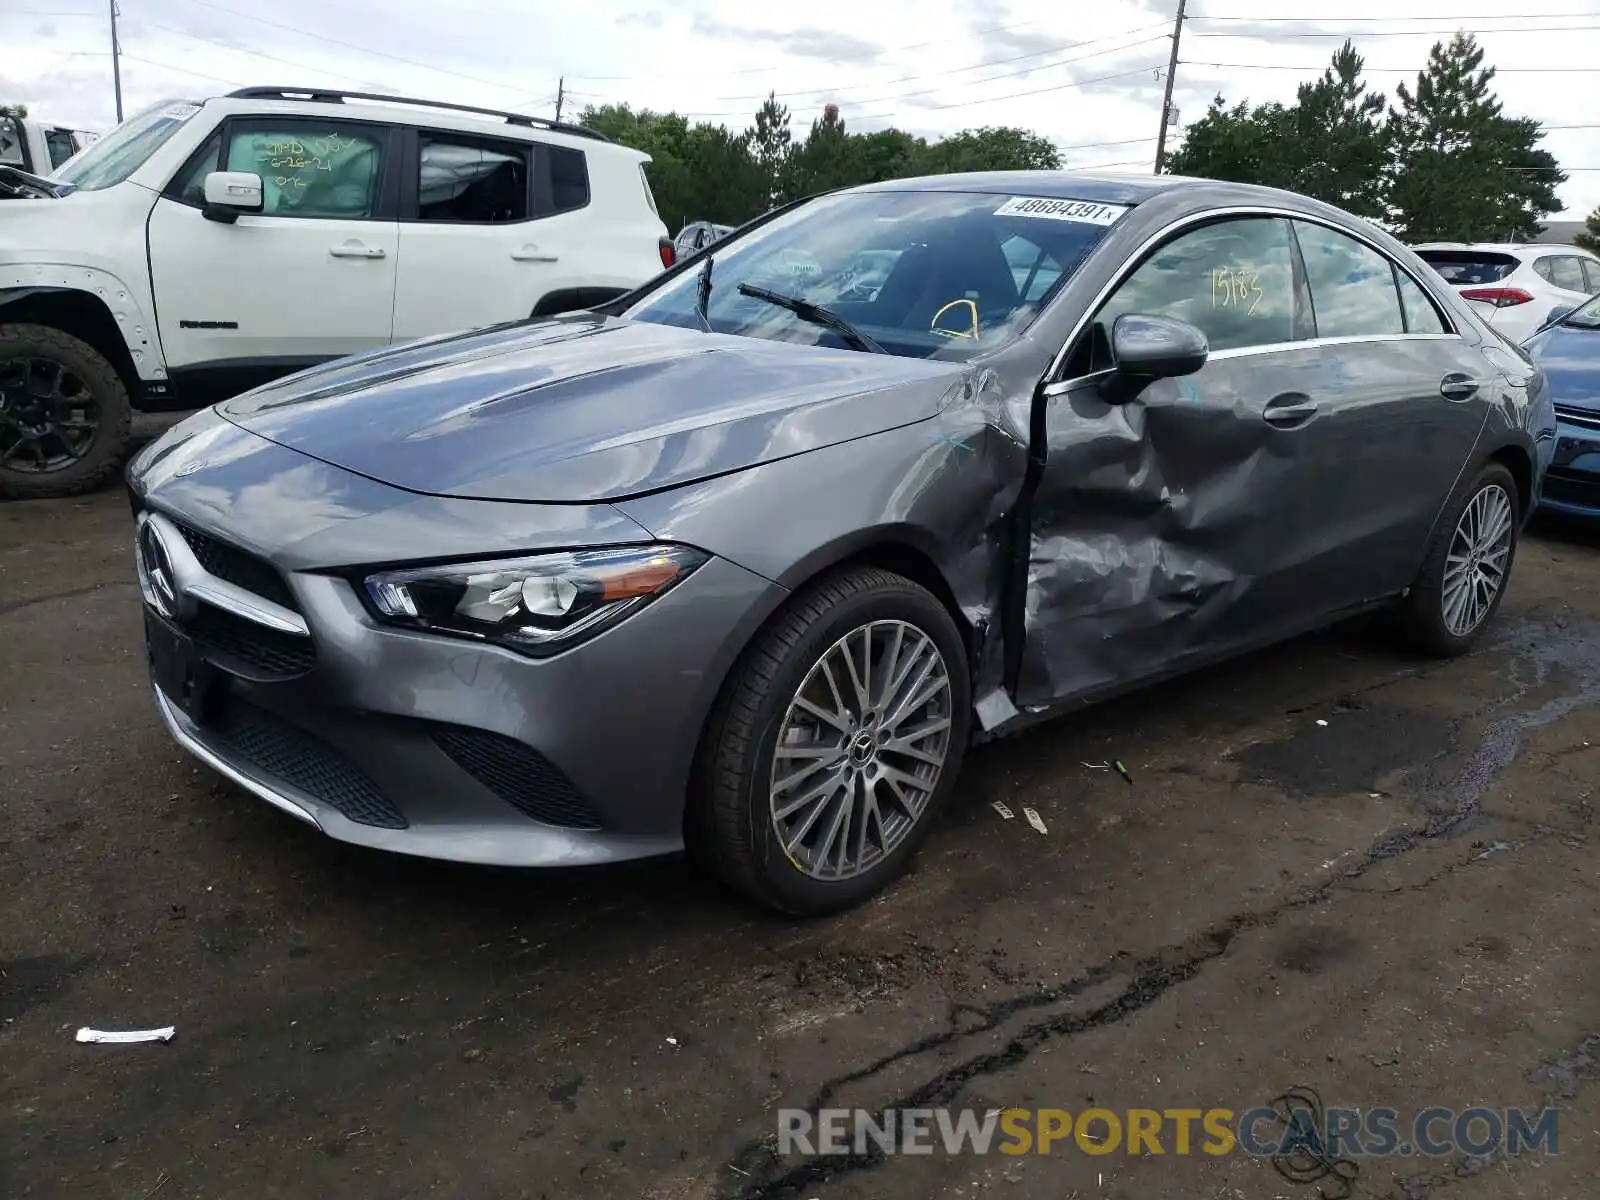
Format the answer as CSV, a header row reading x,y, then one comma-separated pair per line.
x,y
745,560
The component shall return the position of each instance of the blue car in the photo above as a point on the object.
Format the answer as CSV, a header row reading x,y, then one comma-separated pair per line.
x,y
1568,348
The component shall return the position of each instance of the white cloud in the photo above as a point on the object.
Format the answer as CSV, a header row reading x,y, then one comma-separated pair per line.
x,y
934,67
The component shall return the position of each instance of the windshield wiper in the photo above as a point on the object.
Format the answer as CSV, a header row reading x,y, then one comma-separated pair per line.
x,y
18,184
703,294
816,314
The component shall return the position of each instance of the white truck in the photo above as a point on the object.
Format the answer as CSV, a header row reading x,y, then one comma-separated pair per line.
x,y
204,247
36,146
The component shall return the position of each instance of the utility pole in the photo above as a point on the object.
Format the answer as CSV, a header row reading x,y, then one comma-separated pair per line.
x,y
116,65
1166,100
561,95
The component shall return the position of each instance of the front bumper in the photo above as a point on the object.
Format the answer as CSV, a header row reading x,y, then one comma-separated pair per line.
x,y
452,749
1572,480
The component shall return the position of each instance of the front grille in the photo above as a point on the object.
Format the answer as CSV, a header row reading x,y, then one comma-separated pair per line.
x,y
276,748
239,567
1587,418
248,649
1572,487
518,774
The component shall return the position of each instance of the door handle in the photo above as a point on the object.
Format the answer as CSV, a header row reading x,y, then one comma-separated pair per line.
x,y
1456,386
356,250
533,254
1289,411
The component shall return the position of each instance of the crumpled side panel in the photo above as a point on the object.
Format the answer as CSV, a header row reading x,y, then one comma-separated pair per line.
x,y
1154,529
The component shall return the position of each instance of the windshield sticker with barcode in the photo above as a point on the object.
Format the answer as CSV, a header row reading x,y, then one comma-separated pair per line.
x,y
181,111
1084,212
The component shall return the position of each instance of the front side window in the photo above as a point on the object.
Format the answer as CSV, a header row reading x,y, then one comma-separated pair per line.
x,y
923,274
1353,292
310,168
1233,280
471,180
1421,316
123,151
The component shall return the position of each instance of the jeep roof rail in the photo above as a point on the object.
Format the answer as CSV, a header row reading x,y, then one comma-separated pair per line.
x,y
339,96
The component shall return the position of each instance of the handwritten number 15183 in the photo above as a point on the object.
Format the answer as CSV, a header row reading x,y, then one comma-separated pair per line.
x,y
1236,288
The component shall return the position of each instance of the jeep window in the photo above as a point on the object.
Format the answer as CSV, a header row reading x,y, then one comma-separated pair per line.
x,y
569,178
923,274
123,151
472,180
310,168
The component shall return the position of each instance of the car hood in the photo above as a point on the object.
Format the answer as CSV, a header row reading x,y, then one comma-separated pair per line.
x,y
1571,361
585,407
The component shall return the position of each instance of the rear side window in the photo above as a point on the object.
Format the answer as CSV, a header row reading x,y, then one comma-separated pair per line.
x,y
1566,272
471,180
1234,281
1464,268
569,179
1591,275
1353,292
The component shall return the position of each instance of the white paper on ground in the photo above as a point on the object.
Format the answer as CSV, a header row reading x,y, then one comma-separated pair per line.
x,y
128,1035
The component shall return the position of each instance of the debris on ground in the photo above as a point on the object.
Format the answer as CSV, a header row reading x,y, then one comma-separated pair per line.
x,y
1035,820
165,1034
1005,813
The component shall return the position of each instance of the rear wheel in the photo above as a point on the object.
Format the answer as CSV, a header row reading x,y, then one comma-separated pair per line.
x,y
64,414
1464,575
839,737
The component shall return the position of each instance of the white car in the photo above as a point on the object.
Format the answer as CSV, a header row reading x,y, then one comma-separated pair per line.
x,y
205,247
38,147
1515,288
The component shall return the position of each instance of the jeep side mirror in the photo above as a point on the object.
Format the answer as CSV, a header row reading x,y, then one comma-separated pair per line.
x,y
1146,348
230,193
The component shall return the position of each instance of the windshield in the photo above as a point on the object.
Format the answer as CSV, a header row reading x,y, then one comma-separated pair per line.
x,y
121,152
1585,316
943,275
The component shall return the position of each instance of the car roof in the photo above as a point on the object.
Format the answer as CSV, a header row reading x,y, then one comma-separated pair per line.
x,y
1102,186
1504,247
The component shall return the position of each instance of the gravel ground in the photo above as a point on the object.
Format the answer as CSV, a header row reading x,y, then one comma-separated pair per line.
x,y
1334,867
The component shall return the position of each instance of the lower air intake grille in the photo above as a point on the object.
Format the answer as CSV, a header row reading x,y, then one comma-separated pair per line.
x,y
275,747
518,774
248,649
1575,488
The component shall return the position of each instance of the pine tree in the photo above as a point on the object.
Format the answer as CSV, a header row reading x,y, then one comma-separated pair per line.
x,y
771,141
1589,239
1339,149
1461,169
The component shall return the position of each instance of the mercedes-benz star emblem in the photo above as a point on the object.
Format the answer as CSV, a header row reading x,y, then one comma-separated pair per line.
x,y
157,568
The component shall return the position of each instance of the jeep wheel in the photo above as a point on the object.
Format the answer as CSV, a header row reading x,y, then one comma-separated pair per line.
x,y
64,414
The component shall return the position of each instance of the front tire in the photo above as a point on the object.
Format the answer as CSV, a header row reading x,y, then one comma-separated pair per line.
x,y
837,740
64,414
1468,563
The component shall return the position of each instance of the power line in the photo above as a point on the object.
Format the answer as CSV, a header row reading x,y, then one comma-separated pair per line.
x,y
288,62
1098,145
1380,70
1400,33
966,37
973,67
965,83
1370,20
150,62
1132,162
411,62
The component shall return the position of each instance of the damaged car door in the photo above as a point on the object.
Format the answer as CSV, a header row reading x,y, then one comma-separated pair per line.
x,y
1173,523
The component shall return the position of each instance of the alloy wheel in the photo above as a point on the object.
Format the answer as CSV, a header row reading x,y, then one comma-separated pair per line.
x,y
1475,565
860,750
48,416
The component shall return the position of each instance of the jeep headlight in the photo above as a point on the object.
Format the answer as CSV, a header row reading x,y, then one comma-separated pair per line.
x,y
539,605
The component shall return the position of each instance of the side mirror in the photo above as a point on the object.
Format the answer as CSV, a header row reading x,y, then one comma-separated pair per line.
x,y
1559,313
1147,348
230,193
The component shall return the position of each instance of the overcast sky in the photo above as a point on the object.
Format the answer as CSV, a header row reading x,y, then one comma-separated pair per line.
x,y
1089,80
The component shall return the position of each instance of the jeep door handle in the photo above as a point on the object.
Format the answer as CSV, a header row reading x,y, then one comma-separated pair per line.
x,y
1456,386
534,254
1289,411
357,250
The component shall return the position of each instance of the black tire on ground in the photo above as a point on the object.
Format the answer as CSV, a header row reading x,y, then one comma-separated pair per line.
x,y
106,451
1420,621
728,826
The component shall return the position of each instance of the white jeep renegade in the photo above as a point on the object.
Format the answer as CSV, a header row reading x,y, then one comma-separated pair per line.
x,y
205,247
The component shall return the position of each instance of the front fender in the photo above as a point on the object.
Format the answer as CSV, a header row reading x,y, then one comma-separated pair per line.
x,y
135,325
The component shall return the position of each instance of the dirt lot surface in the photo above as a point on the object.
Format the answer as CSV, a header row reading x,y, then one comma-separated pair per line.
x,y
1334,867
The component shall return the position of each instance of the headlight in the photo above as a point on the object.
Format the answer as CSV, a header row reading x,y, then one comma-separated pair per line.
x,y
539,605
